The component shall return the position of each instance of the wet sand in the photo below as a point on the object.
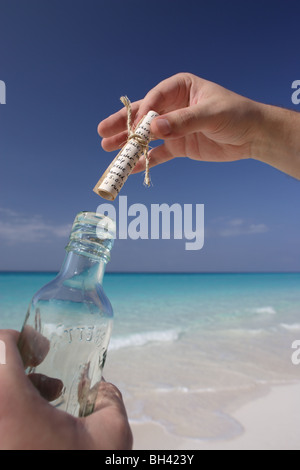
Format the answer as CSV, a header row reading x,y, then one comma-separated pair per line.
x,y
271,422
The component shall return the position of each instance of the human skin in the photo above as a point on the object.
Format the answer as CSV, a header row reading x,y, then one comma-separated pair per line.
x,y
29,422
204,121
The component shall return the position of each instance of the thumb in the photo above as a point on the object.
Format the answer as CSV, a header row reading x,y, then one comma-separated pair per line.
x,y
108,424
181,122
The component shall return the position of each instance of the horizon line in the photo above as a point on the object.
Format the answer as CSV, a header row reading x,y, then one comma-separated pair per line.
x,y
153,272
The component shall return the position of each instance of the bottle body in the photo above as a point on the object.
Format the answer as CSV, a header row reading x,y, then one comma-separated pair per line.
x,y
66,333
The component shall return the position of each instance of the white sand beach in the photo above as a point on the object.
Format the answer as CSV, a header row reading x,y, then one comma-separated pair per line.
x,y
271,422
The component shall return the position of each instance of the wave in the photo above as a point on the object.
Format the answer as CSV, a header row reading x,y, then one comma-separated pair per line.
x,y
244,331
172,389
140,339
291,327
181,389
210,390
269,310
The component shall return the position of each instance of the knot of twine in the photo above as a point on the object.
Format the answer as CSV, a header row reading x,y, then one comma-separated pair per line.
x,y
138,138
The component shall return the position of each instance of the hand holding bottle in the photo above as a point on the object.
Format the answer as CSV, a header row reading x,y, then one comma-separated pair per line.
x,y
28,421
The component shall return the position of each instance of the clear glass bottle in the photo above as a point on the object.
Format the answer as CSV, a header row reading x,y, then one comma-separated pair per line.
x,y
67,328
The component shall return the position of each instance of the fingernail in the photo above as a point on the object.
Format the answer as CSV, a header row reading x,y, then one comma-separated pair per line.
x,y
163,126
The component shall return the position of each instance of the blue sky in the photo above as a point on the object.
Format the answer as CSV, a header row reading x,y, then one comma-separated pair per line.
x,y
66,64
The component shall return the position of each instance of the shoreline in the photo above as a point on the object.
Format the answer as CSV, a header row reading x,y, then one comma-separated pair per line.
x,y
269,422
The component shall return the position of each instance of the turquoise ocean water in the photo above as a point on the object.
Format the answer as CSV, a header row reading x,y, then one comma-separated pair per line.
x,y
188,349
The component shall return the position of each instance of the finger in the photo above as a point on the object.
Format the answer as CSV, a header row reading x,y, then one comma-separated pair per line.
x,y
33,347
12,374
182,122
117,122
158,155
108,395
108,423
49,388
170,94
115,142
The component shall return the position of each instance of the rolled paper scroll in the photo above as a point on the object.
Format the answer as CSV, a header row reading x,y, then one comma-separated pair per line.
x,y
113,179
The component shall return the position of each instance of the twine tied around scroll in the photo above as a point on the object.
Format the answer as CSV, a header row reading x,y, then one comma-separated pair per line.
x,y
138,138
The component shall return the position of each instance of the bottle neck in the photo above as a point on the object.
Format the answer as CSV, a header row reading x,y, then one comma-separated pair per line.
x,y
88,250
78,270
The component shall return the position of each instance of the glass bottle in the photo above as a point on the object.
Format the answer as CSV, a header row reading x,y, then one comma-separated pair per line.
x,y
65,336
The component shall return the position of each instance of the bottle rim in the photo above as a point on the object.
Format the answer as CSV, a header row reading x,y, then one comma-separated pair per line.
x,y
92,235
103,222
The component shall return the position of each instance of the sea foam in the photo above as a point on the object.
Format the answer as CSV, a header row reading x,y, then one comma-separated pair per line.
x,y
140,339
261,310
291,327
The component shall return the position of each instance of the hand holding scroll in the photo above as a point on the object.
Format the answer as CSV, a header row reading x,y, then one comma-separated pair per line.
x,y
204,121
